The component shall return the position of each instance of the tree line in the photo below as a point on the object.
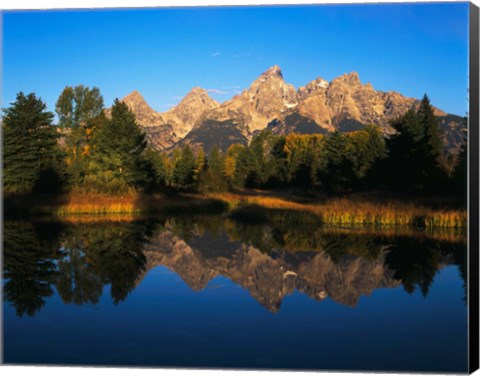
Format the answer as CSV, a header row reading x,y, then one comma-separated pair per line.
x,y
93,149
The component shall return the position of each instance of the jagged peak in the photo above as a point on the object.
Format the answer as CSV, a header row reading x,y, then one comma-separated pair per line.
x,y
135,94
318,82
197,93
197,90
272,75
274,71
136,100
351,77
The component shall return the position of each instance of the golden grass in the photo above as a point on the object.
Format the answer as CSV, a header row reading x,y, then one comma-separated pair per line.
x,y
339,212
96,203
346,212
130,205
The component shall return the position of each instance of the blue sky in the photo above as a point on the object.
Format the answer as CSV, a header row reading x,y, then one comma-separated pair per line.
x,y
410,48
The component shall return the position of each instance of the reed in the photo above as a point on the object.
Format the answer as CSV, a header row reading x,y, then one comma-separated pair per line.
x,y
98,204
345,212
340,211
132,204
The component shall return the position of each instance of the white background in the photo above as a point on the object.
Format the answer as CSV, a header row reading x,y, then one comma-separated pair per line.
x,y
77,371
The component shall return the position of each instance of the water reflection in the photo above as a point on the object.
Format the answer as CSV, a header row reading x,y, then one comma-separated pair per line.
x,y
79,260
30,271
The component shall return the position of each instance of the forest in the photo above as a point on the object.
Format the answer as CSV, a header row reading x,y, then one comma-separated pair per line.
x,y
97,150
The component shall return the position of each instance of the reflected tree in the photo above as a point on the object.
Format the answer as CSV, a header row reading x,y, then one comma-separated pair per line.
x,y
115,251
77,281
29,265
415,263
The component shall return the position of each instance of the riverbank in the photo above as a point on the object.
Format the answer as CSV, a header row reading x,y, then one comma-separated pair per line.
x,y
351,212
247,206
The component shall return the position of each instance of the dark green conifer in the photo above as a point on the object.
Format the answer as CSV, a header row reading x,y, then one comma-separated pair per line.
x,y
30,147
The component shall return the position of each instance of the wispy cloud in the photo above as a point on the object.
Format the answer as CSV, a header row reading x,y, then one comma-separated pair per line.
x,y
217,91
215,54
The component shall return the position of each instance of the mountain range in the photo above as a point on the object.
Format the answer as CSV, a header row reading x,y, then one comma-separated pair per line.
x,y
343,104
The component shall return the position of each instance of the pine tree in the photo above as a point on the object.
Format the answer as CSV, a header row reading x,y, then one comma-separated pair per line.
x,y
31,151
156,168
401,170
369,148
460,174
298,160
339,174
246,169
414,152
432,135
213,179
434,175
184,173
278,163
216,161
117,156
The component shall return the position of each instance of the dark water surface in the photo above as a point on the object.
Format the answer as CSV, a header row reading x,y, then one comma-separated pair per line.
x,y
210,292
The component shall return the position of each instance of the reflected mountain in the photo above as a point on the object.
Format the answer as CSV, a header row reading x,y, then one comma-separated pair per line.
x,y
270,261
268,277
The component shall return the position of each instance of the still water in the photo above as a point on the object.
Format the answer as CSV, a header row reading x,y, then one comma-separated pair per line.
x,y
210,292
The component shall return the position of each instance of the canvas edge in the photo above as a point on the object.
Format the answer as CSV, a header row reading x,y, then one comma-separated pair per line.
x,y
473,194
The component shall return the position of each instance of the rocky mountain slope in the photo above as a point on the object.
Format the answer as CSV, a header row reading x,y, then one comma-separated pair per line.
x,y
344,104
165,129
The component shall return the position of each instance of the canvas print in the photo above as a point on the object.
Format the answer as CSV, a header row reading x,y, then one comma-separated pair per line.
x,y
253,187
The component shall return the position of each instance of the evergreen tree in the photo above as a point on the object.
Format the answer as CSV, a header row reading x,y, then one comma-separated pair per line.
x,y
246,169
368,147
216,161
117,158
213,178
434,175
30,148
460,174
401,171
278,163
156,167
201,161
414,153
259,153
338,175
185,171
432,135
